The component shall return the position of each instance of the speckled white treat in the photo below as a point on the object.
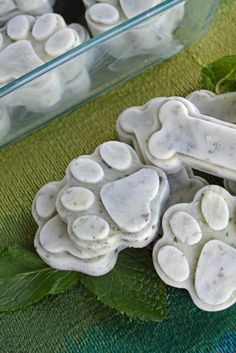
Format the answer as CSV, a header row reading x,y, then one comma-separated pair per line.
x,y
220,106
11,8
198,249
153,35
109,201
27,42
171,134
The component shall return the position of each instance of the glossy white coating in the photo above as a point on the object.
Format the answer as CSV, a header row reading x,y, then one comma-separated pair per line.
x,y
204,233
108,201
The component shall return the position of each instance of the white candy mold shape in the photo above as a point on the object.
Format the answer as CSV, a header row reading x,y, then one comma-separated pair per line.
x,y
107,202
220,106
120,191
11,8
183,184
27,42
172,134
198,249
153,35
52,241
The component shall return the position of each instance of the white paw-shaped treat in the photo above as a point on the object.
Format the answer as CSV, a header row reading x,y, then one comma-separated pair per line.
x,y
151,35
26,43
220,106
11,8
108,201
5,122
198,249
171,134
52,241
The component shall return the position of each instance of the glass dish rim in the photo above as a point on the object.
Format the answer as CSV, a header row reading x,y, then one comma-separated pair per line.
x,y
88,44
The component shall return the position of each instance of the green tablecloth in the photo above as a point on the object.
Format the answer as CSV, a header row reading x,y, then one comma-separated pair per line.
x,y
76,321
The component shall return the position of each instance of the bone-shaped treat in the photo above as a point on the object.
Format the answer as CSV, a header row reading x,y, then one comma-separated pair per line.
x,y
107,202
198,249
177,135
220,106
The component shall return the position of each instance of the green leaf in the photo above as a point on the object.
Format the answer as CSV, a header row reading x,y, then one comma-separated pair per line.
x,y
133,287
25,279
220,76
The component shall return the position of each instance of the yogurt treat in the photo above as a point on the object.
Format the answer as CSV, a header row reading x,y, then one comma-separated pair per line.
x,y
220,106
146,37
171,134
107,202
11,8
27,42
198,249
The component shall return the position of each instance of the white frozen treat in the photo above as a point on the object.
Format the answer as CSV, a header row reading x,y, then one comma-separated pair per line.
x,y
27,42
11,8
133,8
171,134
107,202
220,106
153,35
198,249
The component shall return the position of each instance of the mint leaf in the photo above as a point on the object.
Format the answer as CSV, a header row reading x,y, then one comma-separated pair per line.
x,y
220,76
25,279
133,287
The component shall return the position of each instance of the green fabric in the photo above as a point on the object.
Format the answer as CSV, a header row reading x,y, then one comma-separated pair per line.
x,y
76,321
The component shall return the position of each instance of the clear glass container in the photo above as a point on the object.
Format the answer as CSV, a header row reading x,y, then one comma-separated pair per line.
x,y
100,64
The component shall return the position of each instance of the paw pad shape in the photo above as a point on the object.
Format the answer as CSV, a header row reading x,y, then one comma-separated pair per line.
x,y
11,8
108,201
198,249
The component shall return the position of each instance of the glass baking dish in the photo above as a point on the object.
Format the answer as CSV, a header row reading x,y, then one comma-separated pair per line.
x,y
100,64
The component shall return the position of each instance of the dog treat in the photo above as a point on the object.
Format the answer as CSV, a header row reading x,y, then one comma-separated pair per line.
x,y
11,8
220,106
198,249
171,134
152,35
107,202
26,43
